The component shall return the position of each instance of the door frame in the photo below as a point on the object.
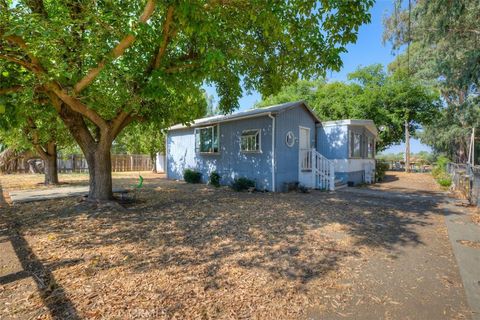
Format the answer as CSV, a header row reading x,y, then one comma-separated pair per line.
x,y
300,136
304,176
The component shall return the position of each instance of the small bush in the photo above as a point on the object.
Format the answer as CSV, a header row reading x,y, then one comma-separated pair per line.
x,y
214,179
242,184
445,182
192,176
440,169
380,168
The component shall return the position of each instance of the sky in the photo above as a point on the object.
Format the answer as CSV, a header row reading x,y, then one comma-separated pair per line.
x,y
367,50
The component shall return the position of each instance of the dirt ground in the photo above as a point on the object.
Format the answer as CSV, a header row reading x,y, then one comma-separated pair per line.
x,y
196,252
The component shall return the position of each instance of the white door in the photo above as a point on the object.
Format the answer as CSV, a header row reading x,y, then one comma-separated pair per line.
x,y
304,142
305,157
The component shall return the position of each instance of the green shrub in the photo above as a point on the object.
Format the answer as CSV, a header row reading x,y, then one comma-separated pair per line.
x,y
380,168
214,179
242,184
192,176
445,182
440,169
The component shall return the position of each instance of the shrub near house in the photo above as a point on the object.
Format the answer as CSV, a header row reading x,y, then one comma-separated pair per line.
x,y
192,176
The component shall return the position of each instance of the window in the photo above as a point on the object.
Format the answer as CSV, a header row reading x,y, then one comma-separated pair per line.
x,y
207,139
355,145
290,139
371,148
250,141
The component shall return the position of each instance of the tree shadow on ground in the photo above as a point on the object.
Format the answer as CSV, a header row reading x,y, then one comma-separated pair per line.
x,y
51,292
286,235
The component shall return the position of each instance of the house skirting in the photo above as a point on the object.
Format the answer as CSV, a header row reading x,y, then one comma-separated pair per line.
x,y
351,170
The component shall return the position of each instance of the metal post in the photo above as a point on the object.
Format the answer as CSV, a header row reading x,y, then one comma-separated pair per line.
x,y
473,146
407,147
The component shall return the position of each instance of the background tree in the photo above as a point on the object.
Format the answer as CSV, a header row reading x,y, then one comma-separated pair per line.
x,y
28,125
28,121
389,99
445,51
148,137
105,64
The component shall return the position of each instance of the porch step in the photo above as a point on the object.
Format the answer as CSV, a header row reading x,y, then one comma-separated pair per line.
x,y
339,183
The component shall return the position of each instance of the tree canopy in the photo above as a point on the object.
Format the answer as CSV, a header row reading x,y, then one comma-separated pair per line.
x,y
106,64
389,99
444,39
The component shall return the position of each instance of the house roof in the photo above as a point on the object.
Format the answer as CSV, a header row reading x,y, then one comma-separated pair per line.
x,y
275,109
369,124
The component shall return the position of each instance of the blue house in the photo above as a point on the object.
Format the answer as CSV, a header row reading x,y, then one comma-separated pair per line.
x,y
275,146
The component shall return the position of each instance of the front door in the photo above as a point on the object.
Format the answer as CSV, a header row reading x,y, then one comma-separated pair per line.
x,y
305,157
304,135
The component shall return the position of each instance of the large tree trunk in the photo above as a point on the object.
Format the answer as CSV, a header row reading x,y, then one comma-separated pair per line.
x,y
100,172
51,173
153,157
96,148
48,153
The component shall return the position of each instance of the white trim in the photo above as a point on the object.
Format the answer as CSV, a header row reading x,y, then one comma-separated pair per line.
x,y
369,124
218,139
309,136
259,133
290,145
166,155
273,151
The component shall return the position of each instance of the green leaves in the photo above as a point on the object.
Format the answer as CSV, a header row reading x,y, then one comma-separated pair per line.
x,y
232,45
387,99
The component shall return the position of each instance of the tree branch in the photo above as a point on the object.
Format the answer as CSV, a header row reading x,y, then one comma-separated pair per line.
x,y
180,68
21,43
166,35
23,63
32,129
76,105
116,52
11,89
121,120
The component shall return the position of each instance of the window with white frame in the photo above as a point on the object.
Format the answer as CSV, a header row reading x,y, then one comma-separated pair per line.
x,y
250,141
207,139
371,148
355,144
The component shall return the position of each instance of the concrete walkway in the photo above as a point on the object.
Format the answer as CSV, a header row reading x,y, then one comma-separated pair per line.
x,y
413,274
23,196
464,237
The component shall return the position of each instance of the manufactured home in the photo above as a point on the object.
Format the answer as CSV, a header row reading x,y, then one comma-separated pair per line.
x,y
276,147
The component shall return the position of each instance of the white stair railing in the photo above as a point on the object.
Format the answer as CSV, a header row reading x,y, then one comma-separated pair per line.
x,y
324,172
322,169
306,159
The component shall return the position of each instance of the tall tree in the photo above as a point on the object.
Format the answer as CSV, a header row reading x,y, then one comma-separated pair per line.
x,y
105,64
389,99
445,51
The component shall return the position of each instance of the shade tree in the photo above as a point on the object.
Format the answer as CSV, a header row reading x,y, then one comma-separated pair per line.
x,y
106,64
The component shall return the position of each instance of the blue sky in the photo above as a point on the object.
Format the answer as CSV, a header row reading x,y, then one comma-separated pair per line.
x,y
367,50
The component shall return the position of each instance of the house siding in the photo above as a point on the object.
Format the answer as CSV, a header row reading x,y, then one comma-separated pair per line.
x,y
333,143
287,158
230,163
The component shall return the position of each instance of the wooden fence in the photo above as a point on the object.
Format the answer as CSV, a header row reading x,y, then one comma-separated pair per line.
x,y
77,163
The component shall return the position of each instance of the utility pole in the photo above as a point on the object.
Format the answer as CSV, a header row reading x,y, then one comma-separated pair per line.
x,y
407,147
471,149
473,146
